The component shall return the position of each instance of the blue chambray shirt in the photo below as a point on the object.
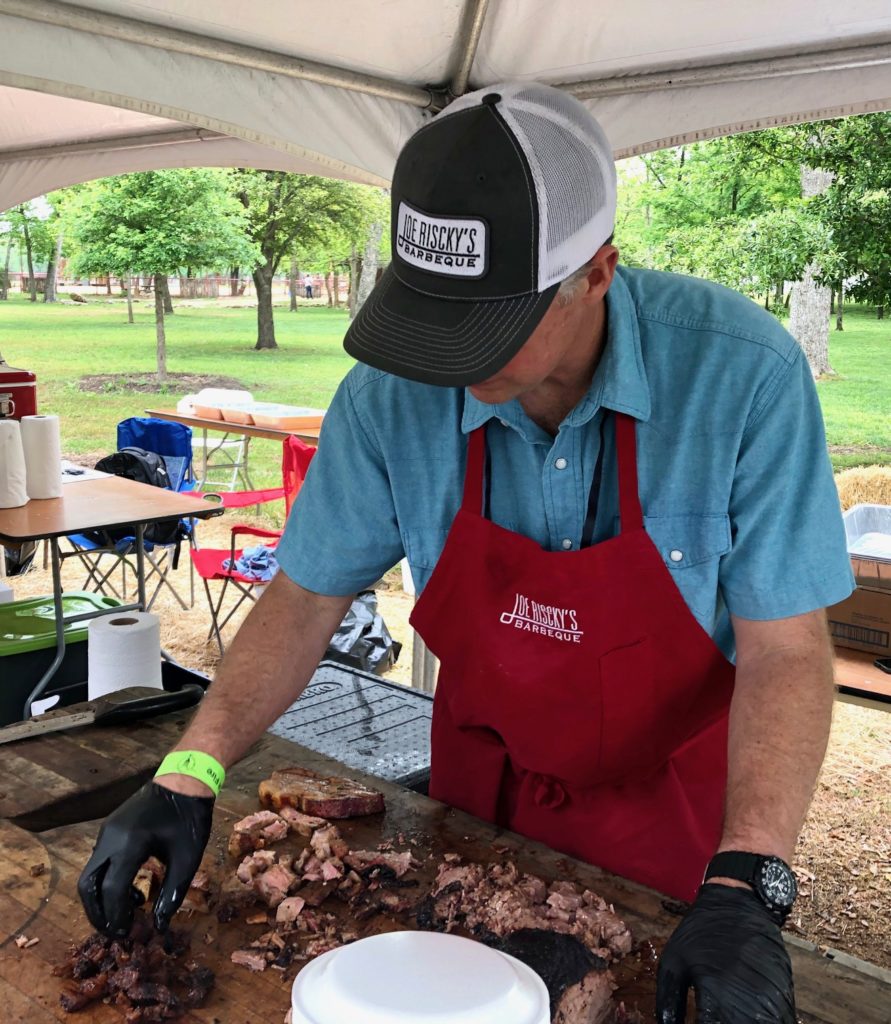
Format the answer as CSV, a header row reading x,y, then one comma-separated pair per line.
x,y
734,474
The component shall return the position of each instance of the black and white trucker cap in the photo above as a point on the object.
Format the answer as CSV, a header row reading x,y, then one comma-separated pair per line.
x,y
494,202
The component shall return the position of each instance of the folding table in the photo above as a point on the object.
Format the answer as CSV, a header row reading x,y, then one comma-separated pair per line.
x,y
92,504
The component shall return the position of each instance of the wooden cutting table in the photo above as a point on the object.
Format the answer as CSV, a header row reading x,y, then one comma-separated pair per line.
x,y
51,786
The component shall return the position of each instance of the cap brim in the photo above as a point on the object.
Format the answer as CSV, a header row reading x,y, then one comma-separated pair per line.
x,y
448,342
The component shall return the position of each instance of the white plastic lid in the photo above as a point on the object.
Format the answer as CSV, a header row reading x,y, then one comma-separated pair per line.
x,y
418,978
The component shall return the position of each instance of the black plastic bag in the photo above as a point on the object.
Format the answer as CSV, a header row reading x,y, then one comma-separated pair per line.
x,y
362,640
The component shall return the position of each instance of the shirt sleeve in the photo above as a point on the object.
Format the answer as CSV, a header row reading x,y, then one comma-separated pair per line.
x,y
788,554
342,534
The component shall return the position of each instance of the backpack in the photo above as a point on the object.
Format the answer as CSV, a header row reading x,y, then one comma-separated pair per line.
x,y
145,468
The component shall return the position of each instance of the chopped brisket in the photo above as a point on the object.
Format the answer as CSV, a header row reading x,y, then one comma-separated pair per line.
x,y
250,958
272,885
142,973
302,824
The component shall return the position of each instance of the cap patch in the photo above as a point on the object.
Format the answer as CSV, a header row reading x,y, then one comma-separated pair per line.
x,y
449,246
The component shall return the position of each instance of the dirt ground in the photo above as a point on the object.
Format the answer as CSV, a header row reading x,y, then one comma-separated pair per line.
x,y
844,855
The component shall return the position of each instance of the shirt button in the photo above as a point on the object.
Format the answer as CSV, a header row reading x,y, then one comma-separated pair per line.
x,y
560,463
567,543
676,556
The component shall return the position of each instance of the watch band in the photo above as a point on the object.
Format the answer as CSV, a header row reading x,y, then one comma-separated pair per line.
x,y
196,764
733,864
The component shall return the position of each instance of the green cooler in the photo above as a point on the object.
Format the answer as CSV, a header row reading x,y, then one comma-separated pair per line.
x,y
28,647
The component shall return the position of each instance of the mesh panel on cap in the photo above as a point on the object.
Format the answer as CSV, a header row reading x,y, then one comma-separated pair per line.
x,y
574,175
564,162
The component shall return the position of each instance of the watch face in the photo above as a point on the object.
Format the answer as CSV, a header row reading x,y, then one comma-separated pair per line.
x,y
777,883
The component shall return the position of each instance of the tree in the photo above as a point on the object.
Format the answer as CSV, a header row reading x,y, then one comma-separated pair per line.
x,y
286,212
156,223
857,206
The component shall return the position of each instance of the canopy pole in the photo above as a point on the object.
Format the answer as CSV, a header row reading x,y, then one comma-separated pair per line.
x,y
803,63
175,137
468,40
146,33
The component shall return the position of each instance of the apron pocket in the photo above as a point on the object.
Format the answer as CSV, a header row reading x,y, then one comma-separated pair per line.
x,y
635,729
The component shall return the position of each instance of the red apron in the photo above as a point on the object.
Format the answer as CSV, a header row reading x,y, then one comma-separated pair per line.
x,y
579,701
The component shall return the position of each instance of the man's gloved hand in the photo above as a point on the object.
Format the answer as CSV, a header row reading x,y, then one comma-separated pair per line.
x,y
155,821
730,949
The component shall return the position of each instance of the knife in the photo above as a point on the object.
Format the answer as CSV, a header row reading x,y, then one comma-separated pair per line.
x,y
127,705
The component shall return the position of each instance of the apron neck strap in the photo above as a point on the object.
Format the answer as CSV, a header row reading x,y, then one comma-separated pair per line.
x,y
631,515
626,450
473,477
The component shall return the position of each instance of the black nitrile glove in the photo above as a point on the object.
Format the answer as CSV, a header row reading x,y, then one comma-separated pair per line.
x,y
730,949
157,822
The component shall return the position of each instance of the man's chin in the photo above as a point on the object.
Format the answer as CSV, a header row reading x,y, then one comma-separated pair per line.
x,y
491,393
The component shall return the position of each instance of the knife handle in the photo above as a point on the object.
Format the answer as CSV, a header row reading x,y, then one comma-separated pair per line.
x,y
147,707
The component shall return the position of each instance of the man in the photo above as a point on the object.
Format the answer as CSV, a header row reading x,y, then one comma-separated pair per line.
x,y
607,482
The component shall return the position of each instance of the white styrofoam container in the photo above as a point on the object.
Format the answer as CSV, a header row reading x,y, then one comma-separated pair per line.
x,y
418,978
6,592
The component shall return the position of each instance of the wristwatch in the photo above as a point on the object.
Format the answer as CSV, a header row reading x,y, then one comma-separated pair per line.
x,y
770,877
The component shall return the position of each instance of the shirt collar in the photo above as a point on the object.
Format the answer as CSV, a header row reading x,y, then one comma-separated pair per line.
x,y
620,381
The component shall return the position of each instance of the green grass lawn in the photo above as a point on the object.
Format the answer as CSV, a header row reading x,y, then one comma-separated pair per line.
x,y
857,402
64,342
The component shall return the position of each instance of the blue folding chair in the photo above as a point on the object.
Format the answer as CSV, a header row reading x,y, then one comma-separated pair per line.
x,y
172,441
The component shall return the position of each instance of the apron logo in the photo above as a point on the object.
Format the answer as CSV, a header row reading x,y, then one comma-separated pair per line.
x,y
450,246
532,617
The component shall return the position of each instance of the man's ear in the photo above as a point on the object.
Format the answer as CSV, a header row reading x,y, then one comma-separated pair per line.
x,y
603,269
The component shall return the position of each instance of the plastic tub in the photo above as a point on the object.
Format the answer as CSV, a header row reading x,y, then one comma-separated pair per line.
x,y
208,412
418,978
868,535
28,646
242,414
209,402
287,417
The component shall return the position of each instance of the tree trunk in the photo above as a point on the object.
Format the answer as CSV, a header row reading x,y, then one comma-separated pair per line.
x,y
880,312
162,283
108,284
293,277
326,277
27,234
265,323
335,285
234,273
369,263
778,294
809,307
354,282
832,302
52,271
4,277
840,307
160,336
130,299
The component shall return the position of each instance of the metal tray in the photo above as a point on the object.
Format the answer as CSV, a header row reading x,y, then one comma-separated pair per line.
x,y
359,719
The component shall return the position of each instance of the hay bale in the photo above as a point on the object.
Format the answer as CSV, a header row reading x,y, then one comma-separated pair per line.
x,y
864,485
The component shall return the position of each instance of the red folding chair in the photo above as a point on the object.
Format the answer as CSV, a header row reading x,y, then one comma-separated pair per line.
x,y
211,563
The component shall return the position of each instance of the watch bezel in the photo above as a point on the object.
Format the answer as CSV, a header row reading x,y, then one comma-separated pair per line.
x,y
761,884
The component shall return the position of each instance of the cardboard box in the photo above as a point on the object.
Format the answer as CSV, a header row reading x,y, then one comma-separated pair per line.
x,y
863,621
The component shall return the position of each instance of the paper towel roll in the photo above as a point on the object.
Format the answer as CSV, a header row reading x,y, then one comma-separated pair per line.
x,y
123,649
43,456
13,476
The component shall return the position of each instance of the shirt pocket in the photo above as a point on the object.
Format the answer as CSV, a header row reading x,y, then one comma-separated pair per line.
x,y
686,541
424,546
691,547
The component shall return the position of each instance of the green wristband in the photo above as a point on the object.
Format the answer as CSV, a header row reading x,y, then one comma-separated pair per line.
x,y
197,764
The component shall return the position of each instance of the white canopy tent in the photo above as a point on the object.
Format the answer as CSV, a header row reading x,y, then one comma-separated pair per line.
x,y
111,86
